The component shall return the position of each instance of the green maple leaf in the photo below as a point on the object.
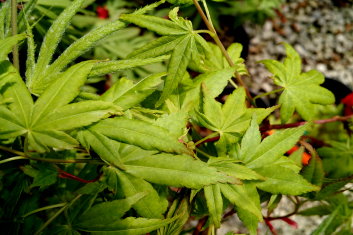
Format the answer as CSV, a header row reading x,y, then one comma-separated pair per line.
x,y
231,119
178,39
266,158
302,91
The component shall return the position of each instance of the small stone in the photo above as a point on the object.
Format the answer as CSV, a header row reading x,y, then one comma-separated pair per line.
x,y
321,67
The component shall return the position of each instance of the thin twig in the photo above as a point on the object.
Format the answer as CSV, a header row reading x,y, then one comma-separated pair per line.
x,y
291,125
57,214
51,160
43,209
220,45
15,57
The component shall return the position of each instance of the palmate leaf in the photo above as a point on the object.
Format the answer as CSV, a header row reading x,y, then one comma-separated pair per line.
x,y
176,170
152,205
126,94
214,59
72,116
181,41
109,212
44,73
107,149
228,166
10,125
46,121
302,91
53,38
230,120
243,196
63,90
178,63
140,133
181,210
265,158
282,180
341,215
14,90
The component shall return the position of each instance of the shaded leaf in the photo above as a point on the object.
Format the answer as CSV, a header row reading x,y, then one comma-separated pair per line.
x,y
109,213
314,172
128,226
152,205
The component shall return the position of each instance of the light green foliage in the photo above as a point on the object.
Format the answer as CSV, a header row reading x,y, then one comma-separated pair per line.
x,y
302,91
53,37
214,59
214,203
265,159
126,94
46,121
178,171
7,44
244,197
140,133
157,146
152,205
179,39
180,210
113,66
230,120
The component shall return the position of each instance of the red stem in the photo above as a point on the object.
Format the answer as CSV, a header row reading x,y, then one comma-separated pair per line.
x,y
66,175
291,125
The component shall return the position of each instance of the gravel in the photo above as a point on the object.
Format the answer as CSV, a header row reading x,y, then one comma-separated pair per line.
x,y
321,33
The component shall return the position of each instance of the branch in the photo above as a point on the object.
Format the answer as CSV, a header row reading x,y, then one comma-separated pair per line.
x,y
220,45
51,160
15,57
291,125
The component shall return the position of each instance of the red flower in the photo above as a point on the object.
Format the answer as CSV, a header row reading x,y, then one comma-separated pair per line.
x,y
102,12
348,103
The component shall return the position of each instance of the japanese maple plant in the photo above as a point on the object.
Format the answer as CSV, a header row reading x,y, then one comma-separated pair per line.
x,y
151,155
